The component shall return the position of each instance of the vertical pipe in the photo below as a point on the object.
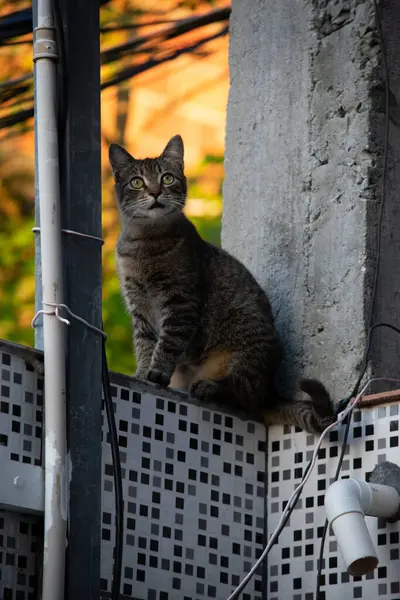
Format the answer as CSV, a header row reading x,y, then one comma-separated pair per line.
x,y
38,327
45,57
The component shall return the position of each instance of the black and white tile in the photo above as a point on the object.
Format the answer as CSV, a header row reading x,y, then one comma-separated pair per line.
x,y
194,492
292,565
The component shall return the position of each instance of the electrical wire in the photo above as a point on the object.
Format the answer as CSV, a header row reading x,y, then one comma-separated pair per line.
x,y
117,475
326,524
296,494
371,327
345,403
385,160
141,43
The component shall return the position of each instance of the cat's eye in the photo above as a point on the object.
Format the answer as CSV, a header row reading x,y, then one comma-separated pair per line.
x,y
137,183
167,179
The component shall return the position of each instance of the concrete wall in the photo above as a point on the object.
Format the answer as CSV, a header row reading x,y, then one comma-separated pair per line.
x,y
303,159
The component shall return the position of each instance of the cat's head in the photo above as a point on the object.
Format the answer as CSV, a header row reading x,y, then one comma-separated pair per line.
x,y
149,188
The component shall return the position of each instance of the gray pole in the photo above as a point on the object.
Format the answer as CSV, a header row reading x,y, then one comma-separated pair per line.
x,y
38,262
45,56
80,165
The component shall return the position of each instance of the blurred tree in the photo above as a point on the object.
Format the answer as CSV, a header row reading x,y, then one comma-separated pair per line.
x,y
118,17
17,282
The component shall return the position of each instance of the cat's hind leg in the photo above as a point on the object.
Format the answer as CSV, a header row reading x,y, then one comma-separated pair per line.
x,y
239,382
225,377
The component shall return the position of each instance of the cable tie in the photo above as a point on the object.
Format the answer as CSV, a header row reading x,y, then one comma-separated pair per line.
x,y
56,311
77,233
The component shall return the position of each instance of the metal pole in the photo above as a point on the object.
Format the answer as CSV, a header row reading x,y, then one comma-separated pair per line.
x,y
80,165
56,478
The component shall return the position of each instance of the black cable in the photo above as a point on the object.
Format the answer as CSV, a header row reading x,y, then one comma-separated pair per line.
x,y
341,457
342,406
180,27
371,328
385,159
326,524
344,403
347,420
129,72
117,474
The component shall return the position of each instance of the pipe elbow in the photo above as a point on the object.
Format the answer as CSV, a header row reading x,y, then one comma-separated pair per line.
x,y
347,502
347,496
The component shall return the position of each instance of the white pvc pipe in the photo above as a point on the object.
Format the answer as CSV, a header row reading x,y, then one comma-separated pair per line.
x,y
347,503
56,480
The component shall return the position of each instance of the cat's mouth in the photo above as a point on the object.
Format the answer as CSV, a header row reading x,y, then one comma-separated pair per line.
x,y
156,204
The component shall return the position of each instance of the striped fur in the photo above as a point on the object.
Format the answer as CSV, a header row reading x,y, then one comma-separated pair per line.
x,y
201,322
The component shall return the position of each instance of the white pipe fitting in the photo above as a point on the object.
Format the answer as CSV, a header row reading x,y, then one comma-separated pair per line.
x,y
347,502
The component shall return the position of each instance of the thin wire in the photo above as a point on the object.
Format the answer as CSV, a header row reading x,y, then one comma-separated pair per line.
x,y
77,233
365,363
385,159
138,24
326,524
56,306
291,502
295,495
342,406
382,203
345,403
117,475
119,499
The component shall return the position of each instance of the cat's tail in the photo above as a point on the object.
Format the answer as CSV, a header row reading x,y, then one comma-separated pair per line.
x,y
312,414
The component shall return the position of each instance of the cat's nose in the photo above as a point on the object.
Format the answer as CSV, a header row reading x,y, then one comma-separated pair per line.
x,y
154,192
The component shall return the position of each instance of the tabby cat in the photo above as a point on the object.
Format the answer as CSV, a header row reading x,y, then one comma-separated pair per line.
x,y
201,322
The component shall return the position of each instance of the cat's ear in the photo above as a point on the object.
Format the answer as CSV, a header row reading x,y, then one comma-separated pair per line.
x,y
119,159
174,149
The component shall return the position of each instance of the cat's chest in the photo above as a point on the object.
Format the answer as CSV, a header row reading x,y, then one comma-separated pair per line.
x,y
138,291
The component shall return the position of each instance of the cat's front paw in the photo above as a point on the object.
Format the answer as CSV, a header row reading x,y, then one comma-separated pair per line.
x,y
159,377
141,374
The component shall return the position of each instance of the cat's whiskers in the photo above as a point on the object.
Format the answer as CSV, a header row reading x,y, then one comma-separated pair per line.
x,y
175,203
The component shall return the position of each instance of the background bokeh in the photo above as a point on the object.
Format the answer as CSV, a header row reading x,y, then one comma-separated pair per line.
x,y
185,95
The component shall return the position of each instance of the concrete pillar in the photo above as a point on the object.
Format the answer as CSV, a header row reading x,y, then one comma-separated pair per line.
x,y
304,148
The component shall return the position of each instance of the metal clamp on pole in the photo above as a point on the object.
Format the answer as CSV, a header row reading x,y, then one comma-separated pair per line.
x,y
44,43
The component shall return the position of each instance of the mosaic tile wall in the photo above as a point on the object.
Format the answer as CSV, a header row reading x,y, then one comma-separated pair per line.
x,y
194,495
21,411
374,437
194,498
193,487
